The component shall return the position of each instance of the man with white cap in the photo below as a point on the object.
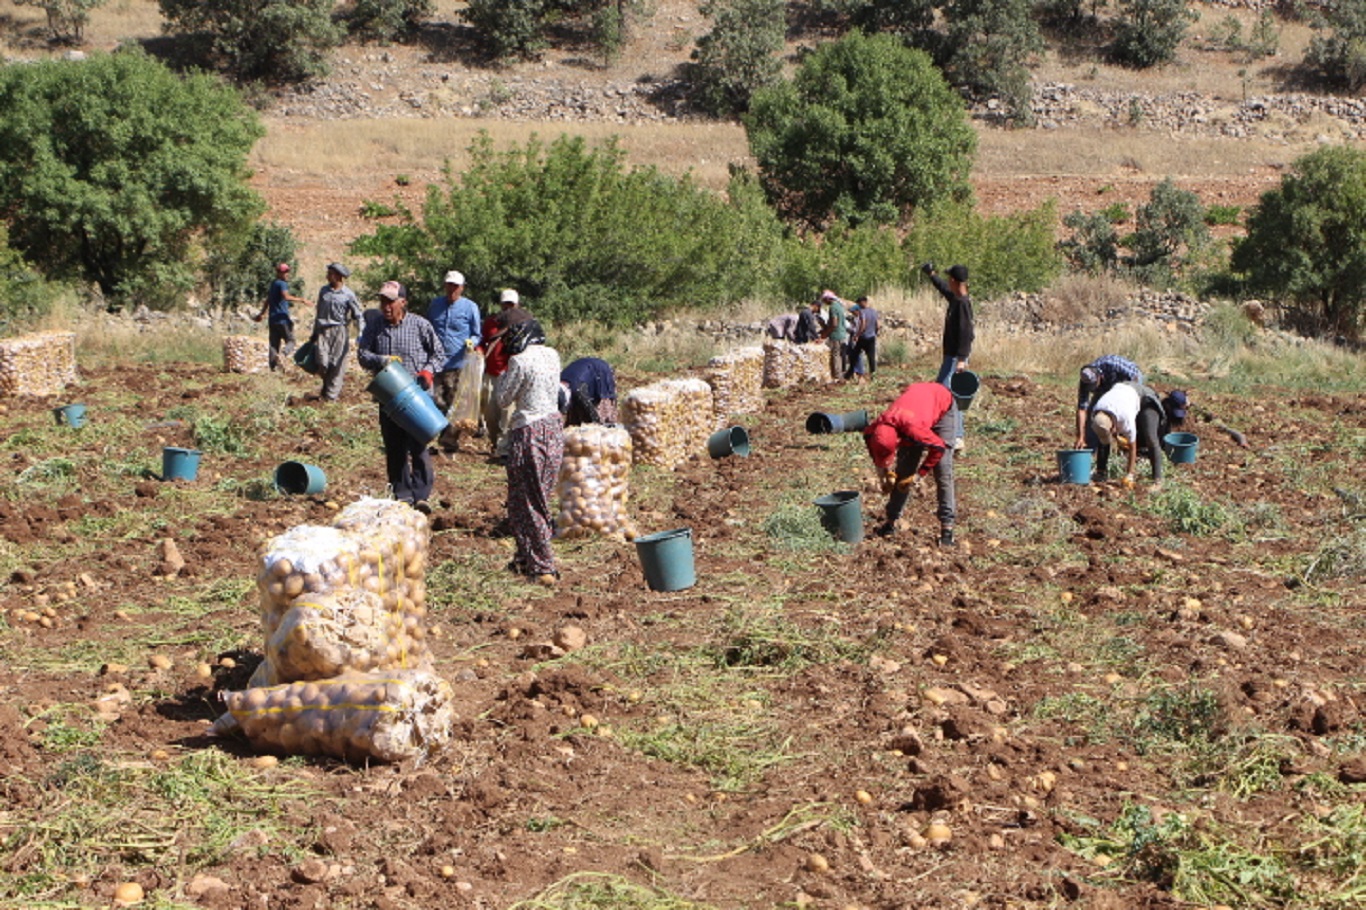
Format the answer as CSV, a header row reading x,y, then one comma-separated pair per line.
x,y
337,308
281,325
456,320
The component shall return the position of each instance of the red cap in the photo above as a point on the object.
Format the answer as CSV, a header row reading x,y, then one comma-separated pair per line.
x,y
282,267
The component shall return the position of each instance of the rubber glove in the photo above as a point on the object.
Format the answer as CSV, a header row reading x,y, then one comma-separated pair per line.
x,y
394,358
908,484
889,481
424,379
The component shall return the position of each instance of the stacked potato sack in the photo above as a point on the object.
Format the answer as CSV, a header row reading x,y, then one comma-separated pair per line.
x,y
39,364
737,382
347,670
788,364
245,354
595,482
669,420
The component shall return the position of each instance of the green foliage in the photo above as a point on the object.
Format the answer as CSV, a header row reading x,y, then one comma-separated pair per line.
x,y
1150,31
522,29
796,528
24,295
243,275
511,29
1339,556
1306,240
262,40
739,55
1187,513
1263,42
66,19
387,20
1337,52
112,168
583,237
1006,253
1222,214
986,46
866,131
858,260
1094,245
908,18
1171,229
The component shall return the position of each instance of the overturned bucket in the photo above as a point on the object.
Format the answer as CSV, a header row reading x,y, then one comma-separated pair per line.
x,y
842,515
666,558
1074,465
179,464
730,441
1181,447
964,386
298,478
820,422
71,415
405,403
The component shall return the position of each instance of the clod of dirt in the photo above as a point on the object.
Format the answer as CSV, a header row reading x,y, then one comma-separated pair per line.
x,y
1353,771
945,791
171,560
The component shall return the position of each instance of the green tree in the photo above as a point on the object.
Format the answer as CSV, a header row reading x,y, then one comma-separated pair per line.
x,y
1006,253
265,40
987,44
66,19
242,273
511,29
868,130
23,292
1094,244
387,20
1150,31
739,55
1170,229
1337,52
113,169
1306,239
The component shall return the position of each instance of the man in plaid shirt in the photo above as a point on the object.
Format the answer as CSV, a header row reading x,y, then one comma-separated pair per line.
x,y
1097,378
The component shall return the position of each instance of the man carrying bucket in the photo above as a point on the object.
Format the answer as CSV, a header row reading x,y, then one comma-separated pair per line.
x,y
906,442
391,333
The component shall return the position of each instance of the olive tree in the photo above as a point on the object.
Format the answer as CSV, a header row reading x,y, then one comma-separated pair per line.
x,y
66,19
739,55
117,171
867,130
260,39
1306,239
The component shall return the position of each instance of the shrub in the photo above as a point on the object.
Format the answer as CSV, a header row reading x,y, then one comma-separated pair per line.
x,y
66,19
512,29
866,131
260,39
1306,239
1005,253
122,207
386,20
1171,228
1337,52
1150,31
24,295
243,275
1094,245
856,260
986,46
739,55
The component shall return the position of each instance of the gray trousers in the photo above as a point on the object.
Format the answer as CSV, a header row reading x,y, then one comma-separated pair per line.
x,y
908,459
332,344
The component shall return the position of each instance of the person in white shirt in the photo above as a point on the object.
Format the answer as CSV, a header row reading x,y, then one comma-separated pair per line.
x,y
531,386
1135,418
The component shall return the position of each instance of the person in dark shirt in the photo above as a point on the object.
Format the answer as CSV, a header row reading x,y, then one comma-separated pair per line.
x,y
864,341
280,326
959,331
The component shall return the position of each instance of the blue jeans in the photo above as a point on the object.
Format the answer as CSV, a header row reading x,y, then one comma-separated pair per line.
x,y
945,378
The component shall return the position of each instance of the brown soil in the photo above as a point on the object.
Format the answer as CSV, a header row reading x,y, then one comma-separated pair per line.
x,y
935,720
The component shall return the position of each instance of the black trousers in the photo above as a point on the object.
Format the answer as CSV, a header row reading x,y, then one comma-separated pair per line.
x,y
406,461
867,346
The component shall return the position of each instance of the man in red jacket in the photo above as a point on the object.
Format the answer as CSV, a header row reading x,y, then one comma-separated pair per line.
x,y
906,442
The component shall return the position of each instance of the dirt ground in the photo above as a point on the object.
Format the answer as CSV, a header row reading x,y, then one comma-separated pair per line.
x,y
934,717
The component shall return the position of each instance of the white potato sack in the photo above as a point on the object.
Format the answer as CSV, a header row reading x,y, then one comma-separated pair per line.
x,y
38,364
396,540
306,559
335,633
737,382
388,716
594,482
669,420
245,354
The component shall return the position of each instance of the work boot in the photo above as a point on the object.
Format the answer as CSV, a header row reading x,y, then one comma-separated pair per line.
x,y
885,529
946,537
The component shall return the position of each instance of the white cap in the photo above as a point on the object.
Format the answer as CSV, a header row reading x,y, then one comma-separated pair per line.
x,y
509,296
455,278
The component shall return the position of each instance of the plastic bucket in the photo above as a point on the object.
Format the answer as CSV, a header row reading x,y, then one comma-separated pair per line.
x,y
306,358
820,422
667,559
299,478
964,387
389,381
730,441
406,404
1181,447
71,415
1074,465
179,464
842,515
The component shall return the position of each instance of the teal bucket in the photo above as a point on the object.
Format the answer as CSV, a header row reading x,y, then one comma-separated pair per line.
x,y
306,358
667,559
71,415
842,515
964,387
1074,465
730,441
820,423
1181,447
179,464
298,478
406,404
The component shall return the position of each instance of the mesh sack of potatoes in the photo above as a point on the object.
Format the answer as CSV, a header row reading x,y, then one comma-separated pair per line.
x,y
595,482
668,420
737,382
395,539
789,364
385,715
43,363
334,633
245,354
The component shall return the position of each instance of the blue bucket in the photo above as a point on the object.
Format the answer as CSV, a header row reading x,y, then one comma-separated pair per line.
x,y
1074,465
730,441
298,478
1181,447
71,415
667,559
179,464
820,422
406,404
964,386
842,515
